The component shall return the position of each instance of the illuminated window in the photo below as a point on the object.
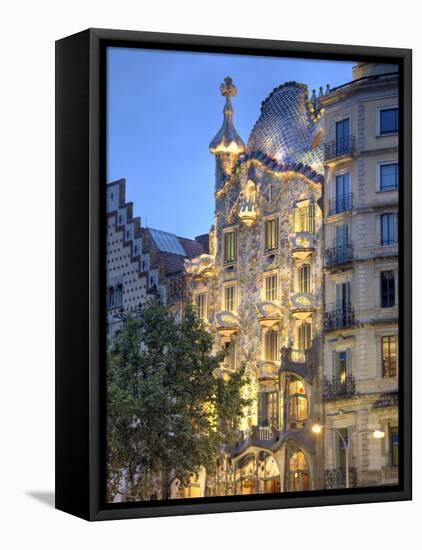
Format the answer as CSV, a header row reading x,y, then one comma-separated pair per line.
x,y
271,234
304,218
230,297
230,246
341,365
389,356
201,305
193,490
271,287
305,278
268,409
297,401
304,336
271,346
297,474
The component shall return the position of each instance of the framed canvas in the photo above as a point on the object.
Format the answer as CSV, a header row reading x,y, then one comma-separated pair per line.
x,y
233,274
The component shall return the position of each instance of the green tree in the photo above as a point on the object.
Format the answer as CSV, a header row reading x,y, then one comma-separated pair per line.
x,y
168,413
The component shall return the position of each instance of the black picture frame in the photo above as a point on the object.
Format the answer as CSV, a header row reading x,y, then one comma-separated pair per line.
x,y
80,272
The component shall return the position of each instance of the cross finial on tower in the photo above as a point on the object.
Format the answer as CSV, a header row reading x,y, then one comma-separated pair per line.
x,y
228,89
227,139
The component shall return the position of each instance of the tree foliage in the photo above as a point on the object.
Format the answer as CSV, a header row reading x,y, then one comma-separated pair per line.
x,y
168,413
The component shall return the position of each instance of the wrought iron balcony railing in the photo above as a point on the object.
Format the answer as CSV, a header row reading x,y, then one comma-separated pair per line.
x,y
339,255
340,147
336,478
339,204
338,386
339,316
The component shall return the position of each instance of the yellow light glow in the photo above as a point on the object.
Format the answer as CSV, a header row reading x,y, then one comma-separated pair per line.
x,y
317,428
378,434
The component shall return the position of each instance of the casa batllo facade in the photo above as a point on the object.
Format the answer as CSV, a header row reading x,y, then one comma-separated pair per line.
x,y
276,288
260,288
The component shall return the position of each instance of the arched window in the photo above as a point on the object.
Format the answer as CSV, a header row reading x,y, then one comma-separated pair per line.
x,y
297,473
245,475
297,403
257,474
268,473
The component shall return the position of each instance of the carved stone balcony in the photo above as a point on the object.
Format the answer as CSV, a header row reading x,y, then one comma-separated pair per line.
x,y
202,266
336,478
227,323
302,304
303,245
339,255
268,370
268,313
339,387
339,316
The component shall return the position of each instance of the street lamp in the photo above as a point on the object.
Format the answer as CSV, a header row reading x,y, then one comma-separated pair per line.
x,y
377,434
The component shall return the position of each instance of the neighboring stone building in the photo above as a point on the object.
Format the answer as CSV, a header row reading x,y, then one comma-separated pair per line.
x,y
260,288
142,263
361,275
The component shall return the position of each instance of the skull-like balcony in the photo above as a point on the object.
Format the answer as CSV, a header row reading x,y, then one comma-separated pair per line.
x,y
268,370
247,212
303,245
268,313
201,266
302,304
298,361
227,323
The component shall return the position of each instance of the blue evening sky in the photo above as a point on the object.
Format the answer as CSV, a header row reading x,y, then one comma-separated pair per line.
x,y
163,110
